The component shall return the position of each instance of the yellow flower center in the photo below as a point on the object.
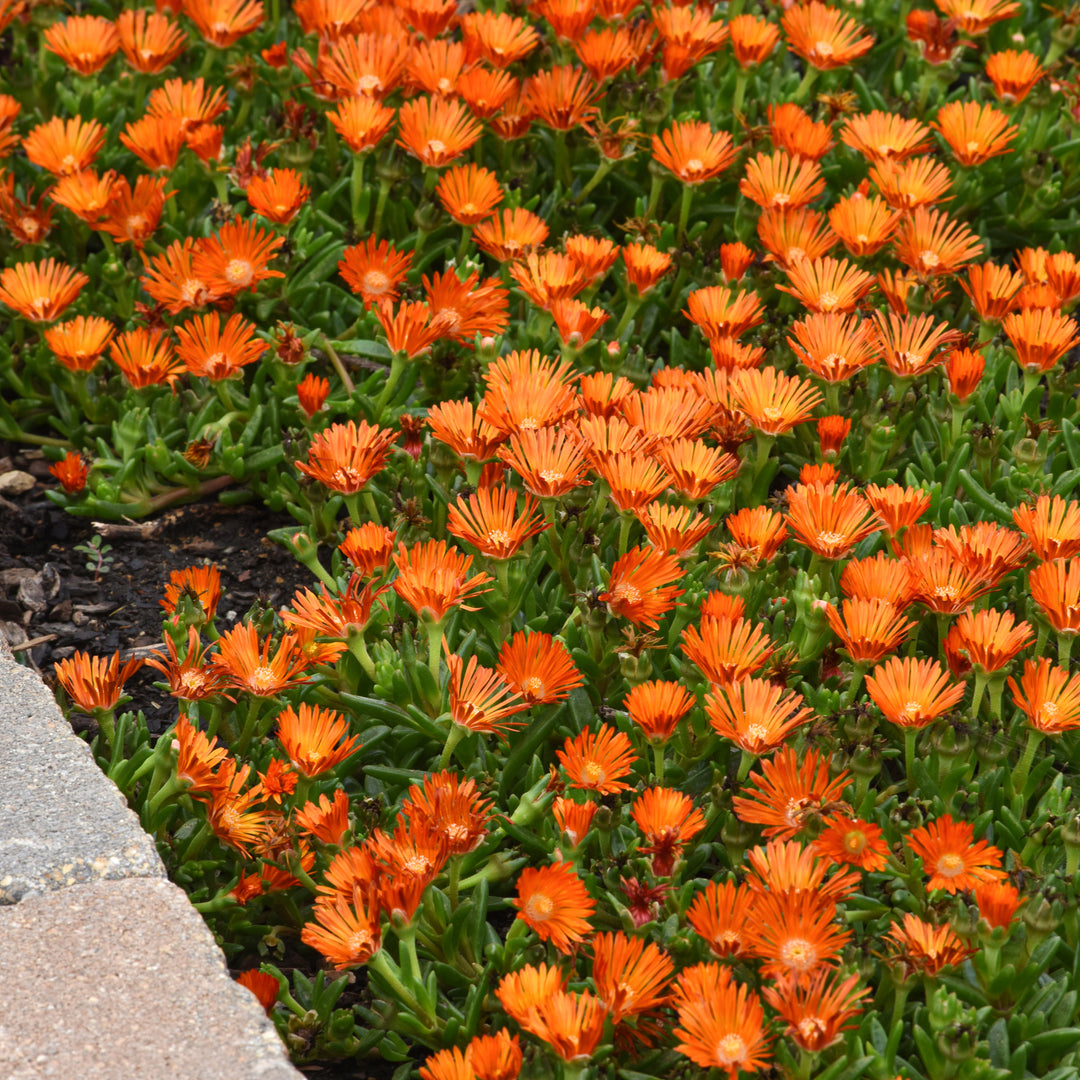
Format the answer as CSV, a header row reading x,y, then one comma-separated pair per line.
x,y
812,1029
593,774
498,538
950,865
539,907
550,476
799,954
360,943
534,687
824,48
262,679
855,842
831,539
192,680
375,281
930,259
436,147
239,272
973,146
627,594
369,84
757,733
730,1050
781,198
828,301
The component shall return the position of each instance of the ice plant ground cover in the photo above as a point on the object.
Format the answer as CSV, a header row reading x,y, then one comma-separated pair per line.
x,y
677,408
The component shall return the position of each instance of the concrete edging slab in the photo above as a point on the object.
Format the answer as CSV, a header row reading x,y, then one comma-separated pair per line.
x,y
117,974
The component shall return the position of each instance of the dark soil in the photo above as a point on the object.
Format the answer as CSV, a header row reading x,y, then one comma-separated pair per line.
x,y
48,596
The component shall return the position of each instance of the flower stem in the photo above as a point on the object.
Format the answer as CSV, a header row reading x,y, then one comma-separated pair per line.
x,y
453,737
1020,773
910,735
397,366
658,763
807,84
684,212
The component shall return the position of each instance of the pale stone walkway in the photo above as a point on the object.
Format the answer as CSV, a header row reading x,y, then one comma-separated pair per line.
x,y
108,970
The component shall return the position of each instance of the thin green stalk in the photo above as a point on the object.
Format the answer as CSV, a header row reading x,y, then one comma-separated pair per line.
x,y
359,650
654,196
910,735
740,91
435,638
356,190
684,212
658,763
632,304
807,84
1065,644
338,366
599,173
626,521
453,737
397,366
1020,774
247,733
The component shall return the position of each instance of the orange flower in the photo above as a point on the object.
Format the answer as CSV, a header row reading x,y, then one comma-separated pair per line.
x,y
1048,696
433,578
914,182
436,130
86,43
849,841
827,285
571,1024
171,280
909,345
792,235
201,584
791,790
554,902
548,277
977,16
576,322
830,520
779,181
794,933
755,714
952,857
248,665
481,700
326,821
494,1057
451,807
931,244
150,41
720,315
232,813
606,52
500,39
721,1024
64,147
457,425
816,1012
449,1064
726,650
486,92
688,34
992,289
527,391
669,820
823,36
975,133
865,225
1052,525
155,141
192,679
223,22
773,402
193,104
693,151
315,739
362,122
834,346
573,819
511,234
434,67
490,522
793,131
79,343
368,548
752,39
925,948
85,194
408,331
986,641
899,507
886,137
630,975
218,352
347,934
998,903
657,707
145,358
71,472
92,682
758,529
1040,337
593,256
640,589
676,529
595,762
538,667
786,868
345,457
1055,587
1014,74
912,693
550,462
312,392
40,291
645,266
235,258
735,260
374,269
469,193
278,195
721,915
964,368
869,629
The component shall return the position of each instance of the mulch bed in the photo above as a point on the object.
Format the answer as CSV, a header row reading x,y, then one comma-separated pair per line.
x,y
47,594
